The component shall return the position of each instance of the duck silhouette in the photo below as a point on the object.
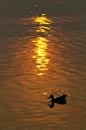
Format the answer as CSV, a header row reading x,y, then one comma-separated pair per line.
x,y
60,100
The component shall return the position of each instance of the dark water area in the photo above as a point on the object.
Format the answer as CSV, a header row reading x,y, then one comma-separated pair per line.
x,y
22,8
42,52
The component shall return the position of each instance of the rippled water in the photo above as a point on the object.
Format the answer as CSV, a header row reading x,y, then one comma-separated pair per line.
x,y
42,54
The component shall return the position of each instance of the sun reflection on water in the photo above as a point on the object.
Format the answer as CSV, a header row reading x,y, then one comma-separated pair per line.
x,y
42,20
41,44
41,54
43,29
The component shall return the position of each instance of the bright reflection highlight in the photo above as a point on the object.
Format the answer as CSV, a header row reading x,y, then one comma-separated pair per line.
x,y
43,29
42,20
41,44
41,54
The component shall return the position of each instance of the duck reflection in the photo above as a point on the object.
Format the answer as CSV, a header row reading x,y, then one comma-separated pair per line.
x,y
60,100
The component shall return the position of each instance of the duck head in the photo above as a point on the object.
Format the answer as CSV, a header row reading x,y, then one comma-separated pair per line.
x,y
51,105
51,96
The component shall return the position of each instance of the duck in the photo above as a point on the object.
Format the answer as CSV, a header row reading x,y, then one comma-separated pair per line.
x,y
60,100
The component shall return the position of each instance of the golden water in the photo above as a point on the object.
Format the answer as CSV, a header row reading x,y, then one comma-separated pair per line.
x,y
42,55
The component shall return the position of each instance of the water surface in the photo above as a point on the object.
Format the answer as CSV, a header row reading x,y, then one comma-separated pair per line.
x,y
42,53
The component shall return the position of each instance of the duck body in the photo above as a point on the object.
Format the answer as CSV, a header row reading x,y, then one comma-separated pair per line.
x,y
60,100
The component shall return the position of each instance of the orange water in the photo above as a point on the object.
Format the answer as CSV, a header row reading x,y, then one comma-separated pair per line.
x,y
42,55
